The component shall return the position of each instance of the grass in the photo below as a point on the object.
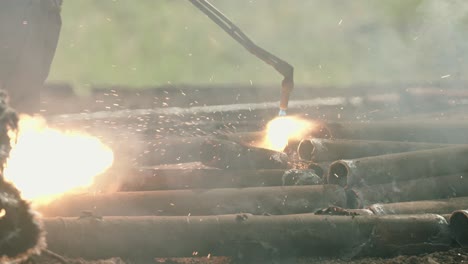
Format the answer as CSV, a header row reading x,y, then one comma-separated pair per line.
x,y
335,42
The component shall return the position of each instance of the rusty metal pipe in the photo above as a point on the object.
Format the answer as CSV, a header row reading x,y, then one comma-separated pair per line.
x,y
333,210
173,179
442,206
445,132
414,190
231,155
399,166
259,200
246,235
319,150
187,149
459,227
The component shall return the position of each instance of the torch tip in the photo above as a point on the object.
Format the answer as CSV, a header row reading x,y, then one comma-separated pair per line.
x,y
282,112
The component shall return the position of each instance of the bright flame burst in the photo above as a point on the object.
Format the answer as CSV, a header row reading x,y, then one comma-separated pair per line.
x,y
45,162
282,129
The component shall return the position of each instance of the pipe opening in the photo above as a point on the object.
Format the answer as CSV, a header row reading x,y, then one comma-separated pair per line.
x,y
305,150
459,227
338,173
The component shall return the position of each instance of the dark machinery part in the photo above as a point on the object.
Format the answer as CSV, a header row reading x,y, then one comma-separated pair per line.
x,y
280,65
29,31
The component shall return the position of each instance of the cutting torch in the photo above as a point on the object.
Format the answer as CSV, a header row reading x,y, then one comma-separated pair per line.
x,y
280,65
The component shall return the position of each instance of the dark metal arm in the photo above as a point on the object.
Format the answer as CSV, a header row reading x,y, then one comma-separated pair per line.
x,y
280,65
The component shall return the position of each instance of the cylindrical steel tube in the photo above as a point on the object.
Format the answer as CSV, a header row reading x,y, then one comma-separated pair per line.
x,y
172,179
445,132
187,149
261,200
318,149
231,155
414,190
333,210
399,166
234,235
459,227
443,206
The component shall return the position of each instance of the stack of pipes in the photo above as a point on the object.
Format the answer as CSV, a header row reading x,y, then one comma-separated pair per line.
x,y
397,168
365,190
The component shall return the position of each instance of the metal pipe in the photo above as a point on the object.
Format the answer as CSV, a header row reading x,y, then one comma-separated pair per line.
x,y
355,212
187,149
245,235
256,200
459,227
333,210
257,137
399,166
443,206
414,190
445,132
173,179
319,149
231,155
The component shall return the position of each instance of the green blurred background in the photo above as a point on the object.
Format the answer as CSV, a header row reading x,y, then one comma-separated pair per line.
x,y
334,42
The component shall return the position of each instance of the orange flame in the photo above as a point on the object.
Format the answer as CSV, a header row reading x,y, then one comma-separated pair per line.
x,y
45,162
282,129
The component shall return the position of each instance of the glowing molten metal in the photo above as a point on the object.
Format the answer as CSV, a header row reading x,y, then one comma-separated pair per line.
x,y
282,129
46,162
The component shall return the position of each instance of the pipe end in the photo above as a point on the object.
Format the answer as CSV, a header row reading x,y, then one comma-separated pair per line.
x,y
338,173
459,227
305,149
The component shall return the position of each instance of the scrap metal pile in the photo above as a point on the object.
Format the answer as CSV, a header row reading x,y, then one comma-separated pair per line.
x,y
347,189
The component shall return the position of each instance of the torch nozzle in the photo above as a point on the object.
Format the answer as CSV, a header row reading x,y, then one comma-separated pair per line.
x,y
286,87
